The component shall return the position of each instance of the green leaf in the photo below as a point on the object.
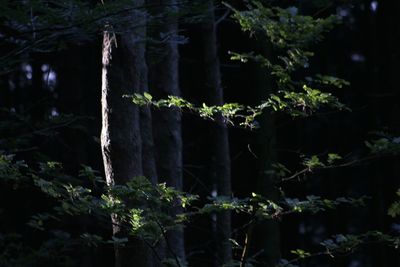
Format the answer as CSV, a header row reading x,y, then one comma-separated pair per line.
x,y
300,253
148,96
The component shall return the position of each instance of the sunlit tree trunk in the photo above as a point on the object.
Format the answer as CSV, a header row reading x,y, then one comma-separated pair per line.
x,y
220,139
124,69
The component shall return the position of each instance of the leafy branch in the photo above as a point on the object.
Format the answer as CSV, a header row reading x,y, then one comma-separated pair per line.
x,y
295,104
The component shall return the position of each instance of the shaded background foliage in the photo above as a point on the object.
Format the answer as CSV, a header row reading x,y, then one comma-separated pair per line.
x,y
58,72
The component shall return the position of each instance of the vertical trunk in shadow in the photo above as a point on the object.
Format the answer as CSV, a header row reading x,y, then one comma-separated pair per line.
x,y
384,32
123,73
146,131
148,150
220,139
148,156
266,234
39,96
164,81
268,231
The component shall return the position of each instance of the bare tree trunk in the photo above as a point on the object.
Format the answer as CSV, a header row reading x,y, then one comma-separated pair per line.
x,y
148,149
267,233
220,138
124,69
146,131
165,81
149,153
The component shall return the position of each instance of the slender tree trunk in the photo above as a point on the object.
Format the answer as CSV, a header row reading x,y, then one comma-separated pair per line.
x,y
149,152
124,69
267,233
39,96
146,131
165,81
148,149
220,138
263,237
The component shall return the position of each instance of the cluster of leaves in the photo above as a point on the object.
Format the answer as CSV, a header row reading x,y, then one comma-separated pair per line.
x,y
303,103
145,221
294,103
337,245
315,161
232,113
141,208
14,252
284,27
263,208
139,205
10,170
342,245
384,145
288,32
394,209
310,164
291,34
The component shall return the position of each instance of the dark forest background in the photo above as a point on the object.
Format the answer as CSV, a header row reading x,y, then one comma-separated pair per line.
x,y
50,100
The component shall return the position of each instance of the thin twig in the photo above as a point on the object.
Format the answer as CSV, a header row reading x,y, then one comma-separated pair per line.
x,y
245,251
223,17
88,21
251,151
168,243
347,164
153,250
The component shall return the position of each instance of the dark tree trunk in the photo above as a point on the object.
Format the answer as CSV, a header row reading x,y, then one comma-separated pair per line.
x,y
164,81
220,139
267,233
146,131
263,237
148,149
123,73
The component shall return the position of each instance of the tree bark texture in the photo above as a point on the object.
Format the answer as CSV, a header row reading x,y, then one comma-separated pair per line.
x,y
164,81
220,138
146,131
124,71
